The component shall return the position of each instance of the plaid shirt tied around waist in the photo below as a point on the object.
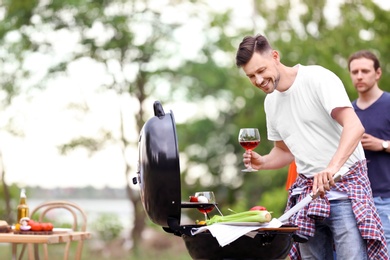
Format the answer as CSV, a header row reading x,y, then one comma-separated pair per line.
x,y
357,185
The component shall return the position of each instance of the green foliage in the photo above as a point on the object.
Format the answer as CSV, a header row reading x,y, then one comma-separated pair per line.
x,y
107,226
14,191
139,51
275,200
19,12
314,41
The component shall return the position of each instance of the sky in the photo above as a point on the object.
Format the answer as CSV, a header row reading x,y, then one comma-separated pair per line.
x,y
35,160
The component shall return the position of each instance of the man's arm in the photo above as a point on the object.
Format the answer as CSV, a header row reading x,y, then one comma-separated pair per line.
x,y
278,157
351,135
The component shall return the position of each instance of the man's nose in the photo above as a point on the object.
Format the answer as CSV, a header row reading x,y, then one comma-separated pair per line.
x,y
259,79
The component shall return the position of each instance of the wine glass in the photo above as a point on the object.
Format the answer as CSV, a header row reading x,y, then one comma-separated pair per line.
x,y
249,138
208,198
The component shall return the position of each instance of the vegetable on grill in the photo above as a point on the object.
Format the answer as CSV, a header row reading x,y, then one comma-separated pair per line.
x,y
258,208
193,199
261,216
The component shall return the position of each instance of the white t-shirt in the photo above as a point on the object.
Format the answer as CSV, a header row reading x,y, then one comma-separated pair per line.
x,y
301,117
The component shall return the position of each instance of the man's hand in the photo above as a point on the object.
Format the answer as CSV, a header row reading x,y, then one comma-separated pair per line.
x,y
322,182
371,143
254,158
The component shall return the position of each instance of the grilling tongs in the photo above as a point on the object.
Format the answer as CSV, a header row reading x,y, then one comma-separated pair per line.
x,y
284,218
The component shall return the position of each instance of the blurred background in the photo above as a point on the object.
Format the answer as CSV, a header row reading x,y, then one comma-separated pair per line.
x,y
79,77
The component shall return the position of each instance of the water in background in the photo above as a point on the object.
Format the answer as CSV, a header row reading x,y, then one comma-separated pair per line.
x,y
94,207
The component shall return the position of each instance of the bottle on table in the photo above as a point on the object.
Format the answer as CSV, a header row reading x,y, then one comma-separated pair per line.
x,y
23,210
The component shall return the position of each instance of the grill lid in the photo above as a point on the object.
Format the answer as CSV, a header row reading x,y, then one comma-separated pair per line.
x,y
158,168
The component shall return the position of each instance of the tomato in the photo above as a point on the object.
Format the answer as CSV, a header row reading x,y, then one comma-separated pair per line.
x,y
258,208
44,227
49,226
35,226
193,199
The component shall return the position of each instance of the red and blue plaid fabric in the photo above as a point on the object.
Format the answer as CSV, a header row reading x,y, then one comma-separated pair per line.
x,y
357,185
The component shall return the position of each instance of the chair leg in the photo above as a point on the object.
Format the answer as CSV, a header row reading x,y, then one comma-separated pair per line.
x,y
36,251
46,251
66,252
79,250
30,250
22,251
14,251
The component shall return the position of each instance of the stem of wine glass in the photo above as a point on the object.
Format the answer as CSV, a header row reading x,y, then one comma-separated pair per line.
x,y
205,216
215,205
250,163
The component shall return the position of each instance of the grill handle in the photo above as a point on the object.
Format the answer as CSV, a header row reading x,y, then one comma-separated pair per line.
x,y
158,109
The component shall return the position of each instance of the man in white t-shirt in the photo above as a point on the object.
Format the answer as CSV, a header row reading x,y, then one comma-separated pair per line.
x,y
310,119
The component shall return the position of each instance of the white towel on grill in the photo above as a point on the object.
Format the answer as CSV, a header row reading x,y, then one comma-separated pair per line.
x,y
225,233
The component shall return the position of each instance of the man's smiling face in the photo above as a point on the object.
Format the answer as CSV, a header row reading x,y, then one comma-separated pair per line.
x,y
262,72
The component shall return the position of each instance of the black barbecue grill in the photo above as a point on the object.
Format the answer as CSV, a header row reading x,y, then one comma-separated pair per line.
x,y
158,175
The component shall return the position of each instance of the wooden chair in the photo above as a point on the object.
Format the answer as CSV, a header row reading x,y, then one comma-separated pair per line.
x,y
65,208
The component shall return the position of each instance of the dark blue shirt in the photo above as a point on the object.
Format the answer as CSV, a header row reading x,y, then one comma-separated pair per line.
x,y
376,121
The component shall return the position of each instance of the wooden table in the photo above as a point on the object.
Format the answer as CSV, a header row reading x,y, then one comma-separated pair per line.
x,y
54,238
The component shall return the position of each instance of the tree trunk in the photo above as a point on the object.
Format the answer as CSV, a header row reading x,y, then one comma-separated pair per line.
x,y
10,215
139,218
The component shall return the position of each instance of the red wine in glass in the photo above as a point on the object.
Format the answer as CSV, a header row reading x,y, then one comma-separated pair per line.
x,y
206,197
249,139
249,145
206,209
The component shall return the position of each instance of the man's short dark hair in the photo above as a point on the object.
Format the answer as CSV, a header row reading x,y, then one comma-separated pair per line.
x,y
364,54
250,45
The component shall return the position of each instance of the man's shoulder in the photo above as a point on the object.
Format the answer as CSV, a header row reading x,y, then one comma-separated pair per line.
x,y
315,70
385,99
386,94
311,67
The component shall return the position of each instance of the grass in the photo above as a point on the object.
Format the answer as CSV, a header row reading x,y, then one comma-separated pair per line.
x,y
170,247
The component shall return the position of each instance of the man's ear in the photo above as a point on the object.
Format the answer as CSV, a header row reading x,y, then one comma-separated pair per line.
x,y
378,74
275,55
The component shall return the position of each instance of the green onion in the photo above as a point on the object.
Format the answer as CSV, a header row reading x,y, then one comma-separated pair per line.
x,y
261,216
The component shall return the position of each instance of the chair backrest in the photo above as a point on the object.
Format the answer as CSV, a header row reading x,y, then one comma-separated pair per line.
x,y
79,217
53,210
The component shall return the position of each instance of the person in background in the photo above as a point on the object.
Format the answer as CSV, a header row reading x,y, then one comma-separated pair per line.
x,y
291,175
310,118
373,108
